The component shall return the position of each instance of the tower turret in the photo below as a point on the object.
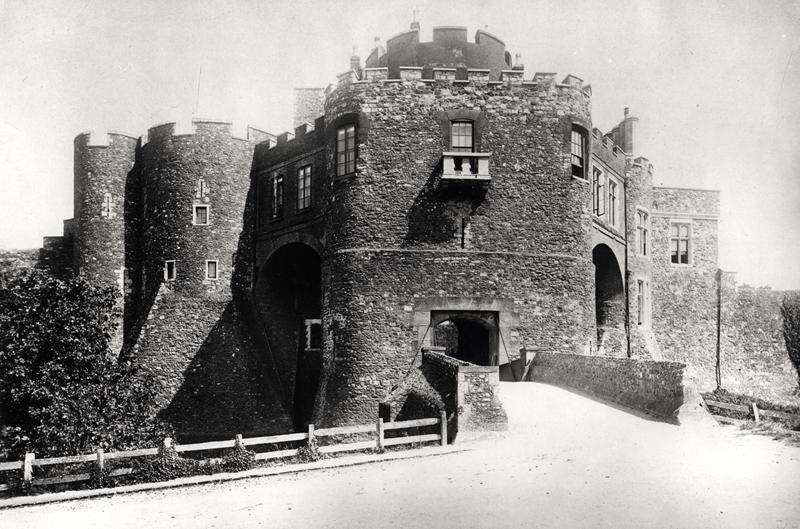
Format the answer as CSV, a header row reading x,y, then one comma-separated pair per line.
x,y
102,164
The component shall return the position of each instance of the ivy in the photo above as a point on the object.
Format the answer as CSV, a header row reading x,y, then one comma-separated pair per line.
x,y
790,310
64,390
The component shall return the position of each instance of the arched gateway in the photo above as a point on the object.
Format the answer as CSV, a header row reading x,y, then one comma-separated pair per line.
x,y
289,296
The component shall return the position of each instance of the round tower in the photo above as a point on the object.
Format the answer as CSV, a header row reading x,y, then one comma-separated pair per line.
x,y
467,201
195,182
102,166
194,189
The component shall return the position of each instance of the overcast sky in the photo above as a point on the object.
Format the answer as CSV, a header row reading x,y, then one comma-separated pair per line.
x,y
716,86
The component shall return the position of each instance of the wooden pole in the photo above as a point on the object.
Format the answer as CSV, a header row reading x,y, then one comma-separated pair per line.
x,y
101,460
310,434
756,415
443,421
379,428
239,443
27,467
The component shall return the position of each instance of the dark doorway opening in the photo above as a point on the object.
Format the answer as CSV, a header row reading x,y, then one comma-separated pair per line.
x,y
609,290
469,336
289,296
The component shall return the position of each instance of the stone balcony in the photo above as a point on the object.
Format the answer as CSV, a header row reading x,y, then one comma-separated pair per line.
x,y
465,169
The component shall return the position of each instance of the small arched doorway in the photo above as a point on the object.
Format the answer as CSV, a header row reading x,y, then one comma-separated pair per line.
x,y
609,293
468,336
289,297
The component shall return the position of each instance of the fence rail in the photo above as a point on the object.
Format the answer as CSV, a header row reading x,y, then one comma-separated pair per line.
x,y
753,410
379,428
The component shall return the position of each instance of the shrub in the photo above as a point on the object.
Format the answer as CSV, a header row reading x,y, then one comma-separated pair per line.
x,y
168,464
790,310
60,382
238,460
310,452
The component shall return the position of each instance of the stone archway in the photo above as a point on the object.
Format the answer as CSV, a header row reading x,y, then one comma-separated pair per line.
x,y
469,336
609,300
288,294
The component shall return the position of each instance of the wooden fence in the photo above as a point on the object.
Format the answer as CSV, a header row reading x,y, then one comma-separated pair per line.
x,y
99,457
753,412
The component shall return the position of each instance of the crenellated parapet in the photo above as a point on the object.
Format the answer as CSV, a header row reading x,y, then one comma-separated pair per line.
x,y
450,47
236,131
467,78
102,163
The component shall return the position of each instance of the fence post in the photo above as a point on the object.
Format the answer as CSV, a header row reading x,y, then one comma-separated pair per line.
x,y
379,428
167,443
443,420
310,434
27,467
238,442
756,415
101,460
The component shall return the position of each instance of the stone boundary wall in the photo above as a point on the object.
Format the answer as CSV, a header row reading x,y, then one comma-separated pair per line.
x,y
646,385
476,396
754,360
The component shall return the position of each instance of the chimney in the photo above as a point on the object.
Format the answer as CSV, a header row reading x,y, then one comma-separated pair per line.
x,y
378,46
355,62
518,62
309,104
626,131
415,21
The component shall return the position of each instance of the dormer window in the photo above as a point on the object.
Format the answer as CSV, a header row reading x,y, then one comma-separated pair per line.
x,y
578,153
461,136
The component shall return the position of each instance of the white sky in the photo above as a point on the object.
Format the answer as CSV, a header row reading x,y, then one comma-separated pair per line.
x,y
716,85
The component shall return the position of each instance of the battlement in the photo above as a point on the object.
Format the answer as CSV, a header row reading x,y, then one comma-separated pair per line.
x,y
443,35
101,139
351,79
450,47
644,163
237,131
290,139
606,145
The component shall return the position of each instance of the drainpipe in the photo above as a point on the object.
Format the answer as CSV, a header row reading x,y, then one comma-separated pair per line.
x,y
627,277
719,327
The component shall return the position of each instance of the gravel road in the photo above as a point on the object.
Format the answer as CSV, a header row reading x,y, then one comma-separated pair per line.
x,y
568,461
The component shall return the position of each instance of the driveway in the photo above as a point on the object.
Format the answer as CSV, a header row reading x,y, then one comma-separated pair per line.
x,y
567,461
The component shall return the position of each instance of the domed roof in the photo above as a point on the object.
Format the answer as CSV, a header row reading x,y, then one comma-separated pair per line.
x,y
449,48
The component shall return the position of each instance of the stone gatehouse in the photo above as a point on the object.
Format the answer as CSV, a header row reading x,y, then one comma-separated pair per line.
x,y
436,195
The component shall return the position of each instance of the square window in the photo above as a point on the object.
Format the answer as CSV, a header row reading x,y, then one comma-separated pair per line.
x,y
313,335
201,216
169,270
211,270
461,136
